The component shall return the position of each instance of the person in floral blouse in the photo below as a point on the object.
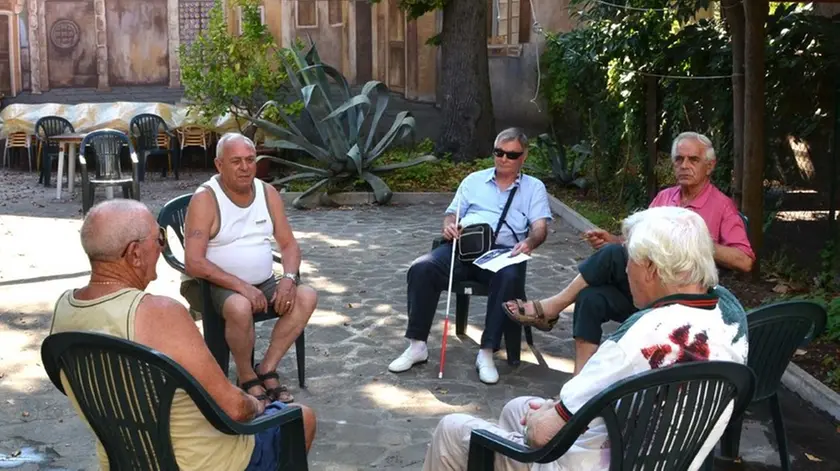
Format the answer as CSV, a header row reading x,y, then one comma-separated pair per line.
x,y
684,316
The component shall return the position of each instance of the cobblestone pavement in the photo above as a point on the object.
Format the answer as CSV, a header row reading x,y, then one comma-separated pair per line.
x,y
357,260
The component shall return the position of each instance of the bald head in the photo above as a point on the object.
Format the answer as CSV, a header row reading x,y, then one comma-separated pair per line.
x,y
113,224
231,139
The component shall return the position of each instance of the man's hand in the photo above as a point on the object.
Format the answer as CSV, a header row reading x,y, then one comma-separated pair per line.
x,y
255,296
521,247
541,423
598,238
284,296
257,406
451,231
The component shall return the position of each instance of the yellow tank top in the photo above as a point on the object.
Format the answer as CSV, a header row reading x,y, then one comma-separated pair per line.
x,y
197,444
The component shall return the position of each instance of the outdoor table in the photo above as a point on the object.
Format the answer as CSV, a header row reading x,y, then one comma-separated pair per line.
x,y
72,141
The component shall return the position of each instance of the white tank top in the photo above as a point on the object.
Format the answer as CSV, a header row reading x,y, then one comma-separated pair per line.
x,y
242,246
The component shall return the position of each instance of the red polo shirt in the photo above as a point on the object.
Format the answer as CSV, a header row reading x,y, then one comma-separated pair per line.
x,y
725,224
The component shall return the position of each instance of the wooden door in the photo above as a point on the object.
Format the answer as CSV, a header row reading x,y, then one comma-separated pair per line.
x,y
5,56
395,48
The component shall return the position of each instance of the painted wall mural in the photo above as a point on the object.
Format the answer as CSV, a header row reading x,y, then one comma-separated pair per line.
x,y
71,43
138,42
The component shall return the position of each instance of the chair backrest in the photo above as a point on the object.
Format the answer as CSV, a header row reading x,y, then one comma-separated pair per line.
x,y
173,215
49,126
125,391
17,139
145,128
193,136
746,221
775,332
107,145
660,419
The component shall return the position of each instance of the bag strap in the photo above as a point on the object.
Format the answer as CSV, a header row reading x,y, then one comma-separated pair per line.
x,y
504,215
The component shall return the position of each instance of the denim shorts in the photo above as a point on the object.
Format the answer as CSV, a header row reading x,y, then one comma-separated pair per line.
x,y
266,456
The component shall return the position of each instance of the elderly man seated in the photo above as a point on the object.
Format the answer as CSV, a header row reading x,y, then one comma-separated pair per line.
x,y
684,318
123,242
601,293
483,196
229,225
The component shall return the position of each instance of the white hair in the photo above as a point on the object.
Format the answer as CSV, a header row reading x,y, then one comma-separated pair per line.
x,y
703,140
113,224
232,137
677,242
512,134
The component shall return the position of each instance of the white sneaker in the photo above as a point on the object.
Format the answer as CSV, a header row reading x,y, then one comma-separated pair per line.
x,y
410,357
486,370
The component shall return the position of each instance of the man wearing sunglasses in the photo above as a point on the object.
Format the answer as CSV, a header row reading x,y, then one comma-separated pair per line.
x,y
483,196
601,292
123,243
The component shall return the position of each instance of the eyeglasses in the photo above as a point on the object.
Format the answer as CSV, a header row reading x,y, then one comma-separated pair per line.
x,y
510,155
161,240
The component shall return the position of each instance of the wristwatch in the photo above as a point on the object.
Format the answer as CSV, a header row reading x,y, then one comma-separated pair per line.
x,y
292,276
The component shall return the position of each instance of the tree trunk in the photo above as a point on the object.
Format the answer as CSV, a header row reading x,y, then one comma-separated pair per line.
x,y
734,14
652,130
755,13
467,128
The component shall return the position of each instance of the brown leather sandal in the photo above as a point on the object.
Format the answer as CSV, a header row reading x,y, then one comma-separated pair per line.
x,y
280,393
539,320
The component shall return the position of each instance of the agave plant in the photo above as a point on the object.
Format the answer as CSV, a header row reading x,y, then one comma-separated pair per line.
x,y
344,141
564,170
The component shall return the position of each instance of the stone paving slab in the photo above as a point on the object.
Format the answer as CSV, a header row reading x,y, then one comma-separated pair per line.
x,y
357,260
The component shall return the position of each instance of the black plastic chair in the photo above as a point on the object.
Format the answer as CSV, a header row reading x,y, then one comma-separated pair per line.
x,y
107,146
145,129
97,366
512,334
45,128
775,332
639,414
173,215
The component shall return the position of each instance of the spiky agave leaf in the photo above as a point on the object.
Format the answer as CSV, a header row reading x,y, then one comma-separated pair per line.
x,y
296,165
381,191
286,139
312,189
403,125
399,165
378,89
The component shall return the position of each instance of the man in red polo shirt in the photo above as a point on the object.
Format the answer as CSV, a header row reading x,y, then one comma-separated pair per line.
x,y
601,292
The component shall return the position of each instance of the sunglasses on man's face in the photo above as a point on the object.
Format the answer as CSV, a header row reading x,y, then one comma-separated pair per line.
x,y
510,155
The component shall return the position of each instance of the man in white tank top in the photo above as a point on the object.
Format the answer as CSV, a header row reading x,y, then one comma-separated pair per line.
x,y
229,225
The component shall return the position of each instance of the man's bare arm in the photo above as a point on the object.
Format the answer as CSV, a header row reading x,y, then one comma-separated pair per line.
x,y
539,232
289,247
201,214
163,324
732,258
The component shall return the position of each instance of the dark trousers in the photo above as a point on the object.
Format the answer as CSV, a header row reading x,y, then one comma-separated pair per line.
x,y
607,298
429,275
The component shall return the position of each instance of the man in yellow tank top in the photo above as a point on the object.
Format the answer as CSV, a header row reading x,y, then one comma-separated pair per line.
x,y
229,225
123,243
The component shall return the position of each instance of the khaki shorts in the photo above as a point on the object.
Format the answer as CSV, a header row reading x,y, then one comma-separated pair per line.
x,y
191,291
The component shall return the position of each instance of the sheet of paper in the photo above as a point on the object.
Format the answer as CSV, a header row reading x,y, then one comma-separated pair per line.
x,y
497,259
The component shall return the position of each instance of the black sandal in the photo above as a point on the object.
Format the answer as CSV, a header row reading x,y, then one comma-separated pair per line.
x,y
280,393
252,383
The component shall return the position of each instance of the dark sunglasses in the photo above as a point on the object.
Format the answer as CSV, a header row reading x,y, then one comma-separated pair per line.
x,y
510,155
161,240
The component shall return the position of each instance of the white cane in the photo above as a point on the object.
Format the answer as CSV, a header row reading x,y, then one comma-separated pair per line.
x,y
449,290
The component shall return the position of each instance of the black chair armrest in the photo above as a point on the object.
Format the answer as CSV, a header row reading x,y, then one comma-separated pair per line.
x,y
278,258
486,440
287,416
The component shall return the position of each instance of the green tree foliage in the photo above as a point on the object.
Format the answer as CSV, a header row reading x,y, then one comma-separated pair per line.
x,y
224,72
594,85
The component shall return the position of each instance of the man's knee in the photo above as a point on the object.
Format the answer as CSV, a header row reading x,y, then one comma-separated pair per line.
x,y
515,409
307,298
453,428
237,309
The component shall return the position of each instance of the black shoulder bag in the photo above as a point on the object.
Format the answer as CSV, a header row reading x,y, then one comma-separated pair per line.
x,y
478,239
